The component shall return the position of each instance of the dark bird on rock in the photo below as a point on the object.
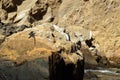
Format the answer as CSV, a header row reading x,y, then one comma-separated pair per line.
x,y
32,34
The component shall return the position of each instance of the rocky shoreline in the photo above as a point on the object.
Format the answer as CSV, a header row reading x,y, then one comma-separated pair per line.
x,y
59,39
66,53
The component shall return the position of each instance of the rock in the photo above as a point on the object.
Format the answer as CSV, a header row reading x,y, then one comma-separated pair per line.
x,y
9,5
18,2
23,13
3,14
12,51
39,10
83,19
11,17
27,62
90,60
102,61
48,16
2,38
100,17
25,59
89,15
66,66
21,28
35,69
90,76
54,5
65,70
9,29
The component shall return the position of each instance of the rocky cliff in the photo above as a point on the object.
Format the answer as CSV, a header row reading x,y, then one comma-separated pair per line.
x,y
99,16
34,29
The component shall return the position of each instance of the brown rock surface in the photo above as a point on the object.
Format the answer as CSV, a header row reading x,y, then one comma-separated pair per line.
x,y
101,17
2,38
19,46
23,48
3,14
9,5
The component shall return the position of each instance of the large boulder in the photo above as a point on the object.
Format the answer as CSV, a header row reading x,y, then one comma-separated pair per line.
x,y
28,51
25,57
66,65
20,45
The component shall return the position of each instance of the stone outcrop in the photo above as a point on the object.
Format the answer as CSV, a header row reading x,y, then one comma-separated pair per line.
x,y
15,46
33,69
99,16
3,14
60,68
66,66
9,5
66,50
24,58
92,23
2,38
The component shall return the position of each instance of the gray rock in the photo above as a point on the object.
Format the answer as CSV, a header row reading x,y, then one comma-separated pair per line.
x,y
90,76
21,28
32,70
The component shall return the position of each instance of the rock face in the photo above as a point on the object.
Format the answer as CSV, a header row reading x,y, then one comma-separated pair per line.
x,y
66,66
22,48
12,50
34,69
60,23
9,6
101,17
23,61
61,69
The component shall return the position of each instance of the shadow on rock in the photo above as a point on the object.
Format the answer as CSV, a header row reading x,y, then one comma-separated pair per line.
x,y
32,70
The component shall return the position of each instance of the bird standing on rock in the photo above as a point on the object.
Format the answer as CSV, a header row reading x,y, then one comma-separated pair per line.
x,y
32,34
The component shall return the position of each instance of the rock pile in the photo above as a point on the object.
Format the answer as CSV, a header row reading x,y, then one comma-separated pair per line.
x,y
86,27
67,50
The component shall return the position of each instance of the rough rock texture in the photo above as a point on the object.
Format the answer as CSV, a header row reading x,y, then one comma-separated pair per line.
x,y
100,16
95,23
35,42
35,69
66,66
25,57
3,14
2,38
11,48
9,5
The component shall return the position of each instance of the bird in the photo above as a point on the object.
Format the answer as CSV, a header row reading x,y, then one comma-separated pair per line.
x,y
31,34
